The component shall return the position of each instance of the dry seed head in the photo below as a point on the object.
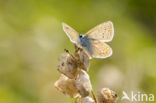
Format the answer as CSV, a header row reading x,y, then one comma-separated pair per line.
x,y
107,96
82,83
87,99
66,86
82,58
67,66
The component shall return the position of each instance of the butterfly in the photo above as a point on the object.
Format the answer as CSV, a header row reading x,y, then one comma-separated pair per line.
x,y
93,42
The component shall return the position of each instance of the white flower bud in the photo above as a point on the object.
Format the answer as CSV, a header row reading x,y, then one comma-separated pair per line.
x,y
66,86
82,83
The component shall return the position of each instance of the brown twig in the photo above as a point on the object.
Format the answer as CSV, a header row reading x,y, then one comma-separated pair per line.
x,y
93,95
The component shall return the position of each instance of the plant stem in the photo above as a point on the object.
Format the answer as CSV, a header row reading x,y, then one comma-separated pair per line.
x,y
93,95
67,51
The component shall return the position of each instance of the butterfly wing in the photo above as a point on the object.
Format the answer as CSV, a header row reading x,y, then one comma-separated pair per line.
x,y
100,49
71,33
103,32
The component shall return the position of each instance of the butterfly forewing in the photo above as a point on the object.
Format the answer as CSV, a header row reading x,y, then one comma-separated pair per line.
x,y
100,49
71,33
103,32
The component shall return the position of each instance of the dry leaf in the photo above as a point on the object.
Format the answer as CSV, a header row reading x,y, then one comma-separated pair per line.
x,y
68,66
82,83
66,86
82,58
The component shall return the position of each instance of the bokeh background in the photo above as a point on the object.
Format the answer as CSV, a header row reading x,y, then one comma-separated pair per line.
x,y
32,39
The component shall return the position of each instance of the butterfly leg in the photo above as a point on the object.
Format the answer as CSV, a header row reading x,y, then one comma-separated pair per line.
x,y
67,51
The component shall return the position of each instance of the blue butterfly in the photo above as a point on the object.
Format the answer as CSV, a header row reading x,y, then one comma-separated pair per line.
x,y
93,42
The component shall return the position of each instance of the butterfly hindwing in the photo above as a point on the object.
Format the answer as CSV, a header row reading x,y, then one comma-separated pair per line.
x,y
103,32
71,33
100,49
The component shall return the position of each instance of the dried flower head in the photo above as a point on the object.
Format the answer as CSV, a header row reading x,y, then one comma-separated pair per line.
x,y
82,83
67,66
66,86
82,58
87,99
107,96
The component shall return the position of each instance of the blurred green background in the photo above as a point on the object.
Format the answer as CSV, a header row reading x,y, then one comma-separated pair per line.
x,y
32,39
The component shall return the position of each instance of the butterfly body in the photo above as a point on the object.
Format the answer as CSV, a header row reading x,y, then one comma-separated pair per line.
x,y
84,41
93,42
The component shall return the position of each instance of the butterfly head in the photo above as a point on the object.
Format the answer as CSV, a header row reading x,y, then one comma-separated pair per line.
x,y
84,41
81,36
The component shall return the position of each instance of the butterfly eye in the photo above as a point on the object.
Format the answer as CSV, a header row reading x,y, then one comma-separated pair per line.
x,y
80,36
